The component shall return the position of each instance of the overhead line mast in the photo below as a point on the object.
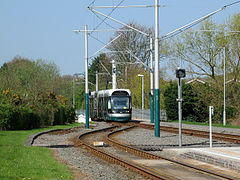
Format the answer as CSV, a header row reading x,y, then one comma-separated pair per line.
x,y
156,72
86,31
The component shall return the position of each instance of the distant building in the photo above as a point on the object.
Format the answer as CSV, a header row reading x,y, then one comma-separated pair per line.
x,y
195,80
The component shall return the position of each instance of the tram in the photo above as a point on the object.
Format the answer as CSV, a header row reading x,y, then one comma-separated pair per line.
x,y
110,105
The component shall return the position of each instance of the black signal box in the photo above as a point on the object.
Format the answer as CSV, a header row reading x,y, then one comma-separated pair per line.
x,y
180,73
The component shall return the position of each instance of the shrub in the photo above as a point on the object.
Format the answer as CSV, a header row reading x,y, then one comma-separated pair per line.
x,y
192,107
5,115
16,113
170,96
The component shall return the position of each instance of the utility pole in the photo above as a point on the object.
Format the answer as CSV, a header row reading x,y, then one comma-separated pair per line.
x,y
86,77
86,73
114,76
96,81
224,83
86,70
142,76
156,72
151,81
224,88
73,91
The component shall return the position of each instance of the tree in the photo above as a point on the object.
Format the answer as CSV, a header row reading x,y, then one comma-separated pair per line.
x,y
32,94
102,65
133,42
202,53
194,49
232,43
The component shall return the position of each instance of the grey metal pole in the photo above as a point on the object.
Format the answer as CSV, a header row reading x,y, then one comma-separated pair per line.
x,y
142,76
151,81
210,126
86,77
114,76
142,92
180,112
96,81
73,91
224,90
156,93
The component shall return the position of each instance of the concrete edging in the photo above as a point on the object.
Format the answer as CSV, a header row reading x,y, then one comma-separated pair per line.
x,y
32,137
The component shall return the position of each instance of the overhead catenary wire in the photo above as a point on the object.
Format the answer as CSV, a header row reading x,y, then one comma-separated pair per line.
x,y
236,2
92,3
105,45
210,30
108,14
193,23
129,6
171,34
105,68
96,39
124,24
102,21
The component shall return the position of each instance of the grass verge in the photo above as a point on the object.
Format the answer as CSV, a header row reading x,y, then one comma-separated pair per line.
x,y
20,162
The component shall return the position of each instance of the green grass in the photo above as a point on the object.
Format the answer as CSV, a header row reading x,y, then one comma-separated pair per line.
x,y
20,162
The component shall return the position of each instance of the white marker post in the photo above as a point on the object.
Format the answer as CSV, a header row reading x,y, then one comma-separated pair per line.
x,y
210,125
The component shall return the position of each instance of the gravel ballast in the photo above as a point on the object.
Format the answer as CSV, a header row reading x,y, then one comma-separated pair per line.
x,y
168,144
91,167
146,137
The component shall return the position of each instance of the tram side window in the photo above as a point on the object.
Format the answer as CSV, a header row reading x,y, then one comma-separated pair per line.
x,y
95,103
105,103
100,104
109,104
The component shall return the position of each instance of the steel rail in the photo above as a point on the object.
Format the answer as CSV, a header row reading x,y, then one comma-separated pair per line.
x,y
153,156
149,173
205,134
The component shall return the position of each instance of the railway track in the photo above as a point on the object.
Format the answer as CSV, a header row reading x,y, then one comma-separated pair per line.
x,y
136,160
204,134
113,158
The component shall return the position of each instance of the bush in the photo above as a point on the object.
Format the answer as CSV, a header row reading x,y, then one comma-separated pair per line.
x,y
192,108
5,115
23,118
170,96
64,115
16,113
28,101
231,111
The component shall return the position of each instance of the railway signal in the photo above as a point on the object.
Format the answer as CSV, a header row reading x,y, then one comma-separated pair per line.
x,y
180,73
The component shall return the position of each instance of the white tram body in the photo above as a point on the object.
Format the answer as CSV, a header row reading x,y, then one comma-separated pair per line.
x,y
111,105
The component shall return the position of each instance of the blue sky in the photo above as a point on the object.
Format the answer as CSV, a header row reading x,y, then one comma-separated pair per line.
x,y
43,29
